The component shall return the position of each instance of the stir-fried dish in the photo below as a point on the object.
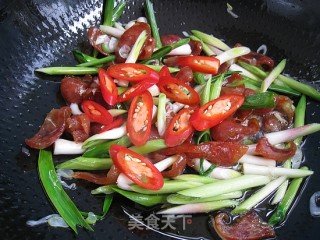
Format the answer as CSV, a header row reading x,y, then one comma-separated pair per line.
x,y
188,124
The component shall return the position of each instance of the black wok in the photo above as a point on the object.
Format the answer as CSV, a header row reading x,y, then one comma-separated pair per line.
x,y
38,33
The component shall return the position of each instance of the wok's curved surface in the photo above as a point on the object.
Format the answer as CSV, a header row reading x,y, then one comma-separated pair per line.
x,y
38,33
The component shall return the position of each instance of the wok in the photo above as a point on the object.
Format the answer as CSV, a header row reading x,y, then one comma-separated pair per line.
x,y
39,33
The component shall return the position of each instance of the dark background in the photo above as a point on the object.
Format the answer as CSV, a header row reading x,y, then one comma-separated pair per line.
x,y
39,33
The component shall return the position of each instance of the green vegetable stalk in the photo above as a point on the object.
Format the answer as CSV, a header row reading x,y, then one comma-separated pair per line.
x,y
61,201
205,47
296,85
180,199
195,178
273,75
82,57
171,186
259,100
215,89
158,68
105,208
68,70
106,189
199,207
149,146
84,163
226,186
101,150
255,84
258,196
95,158
199,78
299,116
299,120
161,114
278,196
106,205
282,209
206,38
136,48
161,52
153,23
97,62
205,95
117,11
202,171
143,199
108,12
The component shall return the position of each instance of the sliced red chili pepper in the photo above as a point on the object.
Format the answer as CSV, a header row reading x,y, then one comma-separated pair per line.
x,y
132,72
108,87
96,112
114,124
140,118
179,128
178,91
265,149
202,64
164,72
137,89
136,167
214,112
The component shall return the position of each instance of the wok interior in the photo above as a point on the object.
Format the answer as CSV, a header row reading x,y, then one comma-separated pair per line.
x,y
43,33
